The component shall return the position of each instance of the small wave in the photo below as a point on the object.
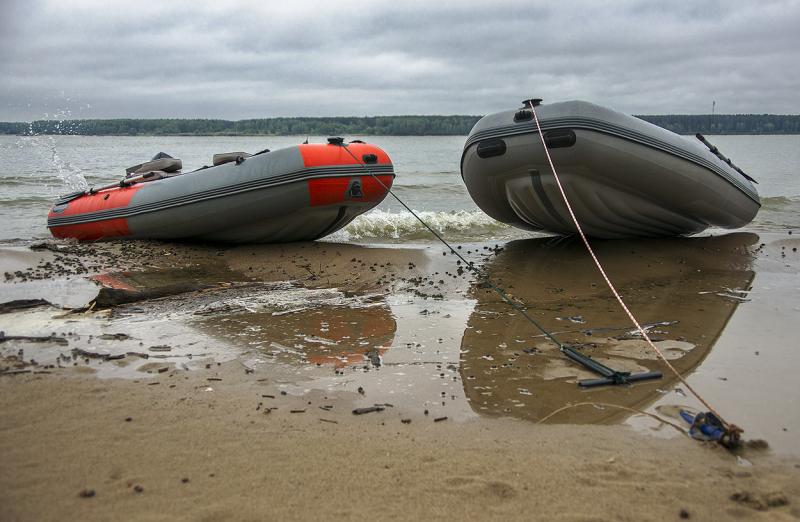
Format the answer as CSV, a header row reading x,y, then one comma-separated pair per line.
x,y
394,226
25,201
779,202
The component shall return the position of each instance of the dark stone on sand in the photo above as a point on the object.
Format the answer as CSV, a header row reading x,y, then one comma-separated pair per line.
x,y
114,337
138,488
440,419
185,480
370,409
684,514
44,339
86,493
128,419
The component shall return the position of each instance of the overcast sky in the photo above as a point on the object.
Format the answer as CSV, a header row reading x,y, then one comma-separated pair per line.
x,y
234,60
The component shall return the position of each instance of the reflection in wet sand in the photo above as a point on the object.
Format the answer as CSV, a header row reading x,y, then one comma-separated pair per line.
x,y
335,335
685,289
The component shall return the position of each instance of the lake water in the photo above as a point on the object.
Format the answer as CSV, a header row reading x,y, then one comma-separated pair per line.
x,y
37,169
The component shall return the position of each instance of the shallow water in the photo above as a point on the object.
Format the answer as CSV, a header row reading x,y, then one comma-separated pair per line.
x,y
36,169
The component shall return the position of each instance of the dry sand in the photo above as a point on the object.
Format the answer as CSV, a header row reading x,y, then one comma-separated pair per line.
x,y
199,454
203,440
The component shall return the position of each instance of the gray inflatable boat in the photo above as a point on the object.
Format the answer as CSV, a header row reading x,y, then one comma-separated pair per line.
x,y
624,177
298,193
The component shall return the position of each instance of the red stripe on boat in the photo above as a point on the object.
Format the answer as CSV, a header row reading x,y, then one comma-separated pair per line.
x,y
317,155
94,230
331,191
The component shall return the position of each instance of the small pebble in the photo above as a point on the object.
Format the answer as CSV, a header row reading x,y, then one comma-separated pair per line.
x,y
684,513
86,493
137,488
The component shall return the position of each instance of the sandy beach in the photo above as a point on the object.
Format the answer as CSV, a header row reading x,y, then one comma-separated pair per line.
x,y
199,382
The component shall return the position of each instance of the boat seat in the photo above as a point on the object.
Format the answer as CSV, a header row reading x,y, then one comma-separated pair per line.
x,y
160,161
227,157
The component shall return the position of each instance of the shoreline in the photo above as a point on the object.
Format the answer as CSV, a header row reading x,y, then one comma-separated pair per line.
x,y
217,336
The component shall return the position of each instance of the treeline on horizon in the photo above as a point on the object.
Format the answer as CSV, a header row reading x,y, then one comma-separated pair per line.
x,y
375,126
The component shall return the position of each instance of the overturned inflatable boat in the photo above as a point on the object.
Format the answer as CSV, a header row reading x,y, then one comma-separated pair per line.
x,y
298,193
624,177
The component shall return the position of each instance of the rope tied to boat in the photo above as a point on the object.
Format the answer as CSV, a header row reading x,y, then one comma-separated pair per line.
x,y
730,433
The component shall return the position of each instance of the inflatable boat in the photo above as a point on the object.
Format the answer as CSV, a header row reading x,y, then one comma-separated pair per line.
x,y
298,193
624,177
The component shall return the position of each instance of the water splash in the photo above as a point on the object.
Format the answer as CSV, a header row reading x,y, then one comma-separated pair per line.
x,y
45,145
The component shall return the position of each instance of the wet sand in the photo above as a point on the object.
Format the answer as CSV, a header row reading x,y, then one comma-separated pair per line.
x,y
239,369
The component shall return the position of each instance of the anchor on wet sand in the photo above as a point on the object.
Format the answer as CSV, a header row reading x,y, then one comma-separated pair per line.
x,y
610,376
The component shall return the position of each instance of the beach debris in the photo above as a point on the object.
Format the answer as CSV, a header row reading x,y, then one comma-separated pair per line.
x,y
368,409
760,502
160,348
735,297
94,355
114,337
440,419
185,480
405,421
297,411
578,319
138,488
34,339
16,372
329,421
684,513
22,304
757,444
86,493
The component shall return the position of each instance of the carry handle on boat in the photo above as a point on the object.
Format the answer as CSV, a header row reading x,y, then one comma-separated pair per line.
x,y
715,151
610,376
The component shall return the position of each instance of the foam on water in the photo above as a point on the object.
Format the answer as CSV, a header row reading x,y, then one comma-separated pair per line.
x,y
403,226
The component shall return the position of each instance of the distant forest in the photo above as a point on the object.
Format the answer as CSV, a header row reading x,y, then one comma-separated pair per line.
x,y
376,126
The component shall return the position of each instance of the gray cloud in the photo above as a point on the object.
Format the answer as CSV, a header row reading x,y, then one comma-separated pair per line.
x,y
92,58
